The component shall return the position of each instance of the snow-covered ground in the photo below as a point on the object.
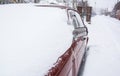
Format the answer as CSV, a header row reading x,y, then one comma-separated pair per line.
x,y
104,47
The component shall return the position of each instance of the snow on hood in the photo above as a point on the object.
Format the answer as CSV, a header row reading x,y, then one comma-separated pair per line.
x,y
31,39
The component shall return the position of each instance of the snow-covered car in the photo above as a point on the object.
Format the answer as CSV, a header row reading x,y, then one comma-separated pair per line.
x,y
38,40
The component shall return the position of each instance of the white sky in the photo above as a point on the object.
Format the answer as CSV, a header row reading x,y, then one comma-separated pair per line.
x,y
103,3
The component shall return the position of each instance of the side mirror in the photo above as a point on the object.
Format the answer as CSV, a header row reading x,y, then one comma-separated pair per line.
x,y
80,31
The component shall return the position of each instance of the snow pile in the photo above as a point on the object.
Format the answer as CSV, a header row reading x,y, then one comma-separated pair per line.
x,y
31,39
104,47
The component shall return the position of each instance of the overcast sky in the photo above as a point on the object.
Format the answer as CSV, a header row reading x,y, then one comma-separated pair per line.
x,y
103,3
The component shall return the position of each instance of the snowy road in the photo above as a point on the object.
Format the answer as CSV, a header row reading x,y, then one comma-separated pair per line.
x,y
104,47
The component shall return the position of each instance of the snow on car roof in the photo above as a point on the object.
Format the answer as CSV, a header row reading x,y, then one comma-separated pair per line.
x,y
32,39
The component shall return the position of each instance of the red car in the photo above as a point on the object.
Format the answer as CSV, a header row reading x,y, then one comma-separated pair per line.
x,y
38,40
69,63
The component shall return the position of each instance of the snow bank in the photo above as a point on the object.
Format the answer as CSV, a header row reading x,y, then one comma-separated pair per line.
x,y
31,39
104,52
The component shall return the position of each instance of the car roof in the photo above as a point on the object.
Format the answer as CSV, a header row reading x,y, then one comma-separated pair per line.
x,y
32,38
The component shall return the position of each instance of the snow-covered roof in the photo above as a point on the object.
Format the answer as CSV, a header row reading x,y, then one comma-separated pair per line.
x,y
32,38
117,6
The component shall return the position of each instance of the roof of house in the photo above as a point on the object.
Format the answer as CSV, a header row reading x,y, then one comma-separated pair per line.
x,y
117,6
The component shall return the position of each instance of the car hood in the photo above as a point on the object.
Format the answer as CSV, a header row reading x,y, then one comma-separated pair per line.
x,y
31,39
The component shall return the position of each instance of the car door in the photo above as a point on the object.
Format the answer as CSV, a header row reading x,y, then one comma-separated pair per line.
x,y
68,64
74,54
80,39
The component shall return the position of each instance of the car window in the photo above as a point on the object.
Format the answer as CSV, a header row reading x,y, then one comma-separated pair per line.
x,y
76,19
79,19
75,22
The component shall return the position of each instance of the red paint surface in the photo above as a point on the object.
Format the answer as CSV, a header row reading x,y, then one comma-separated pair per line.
x,y
68,64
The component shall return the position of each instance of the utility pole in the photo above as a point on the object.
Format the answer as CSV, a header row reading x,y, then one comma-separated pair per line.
x,y
74,4
117,1
82,0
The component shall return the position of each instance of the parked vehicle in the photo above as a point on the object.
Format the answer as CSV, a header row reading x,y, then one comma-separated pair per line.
x,y
69,63
41,39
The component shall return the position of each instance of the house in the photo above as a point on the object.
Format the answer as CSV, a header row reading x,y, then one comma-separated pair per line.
x,y
116,11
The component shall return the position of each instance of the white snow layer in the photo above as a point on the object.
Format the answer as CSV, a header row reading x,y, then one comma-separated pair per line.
x,y
31,39
104,47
